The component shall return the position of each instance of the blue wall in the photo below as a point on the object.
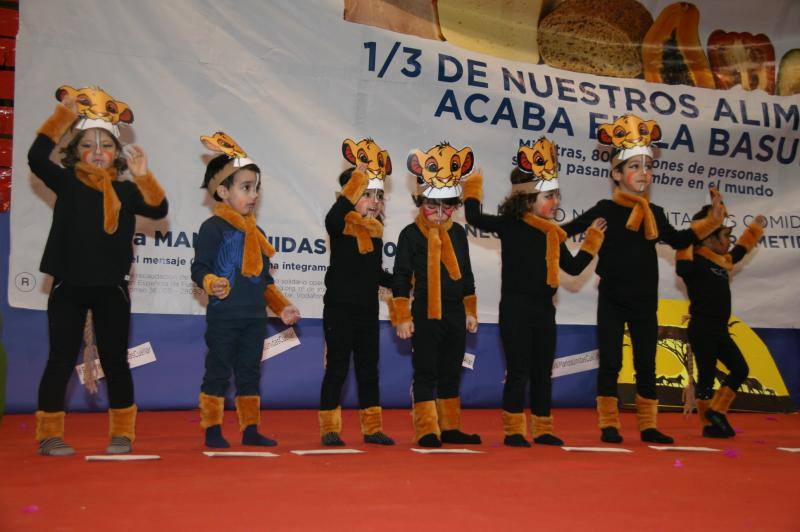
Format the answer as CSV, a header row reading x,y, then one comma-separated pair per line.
x,y
292,379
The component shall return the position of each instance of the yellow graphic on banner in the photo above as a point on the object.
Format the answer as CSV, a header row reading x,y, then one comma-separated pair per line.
x,y
764,389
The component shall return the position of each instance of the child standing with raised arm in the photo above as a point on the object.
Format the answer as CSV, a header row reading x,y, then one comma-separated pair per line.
x,y
628,270
532,250
705,268
89,254
350,316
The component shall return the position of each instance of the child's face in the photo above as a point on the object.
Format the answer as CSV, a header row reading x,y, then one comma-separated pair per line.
x,y
635,176
546,204
371,204
719,242
243,193
436,212
98,148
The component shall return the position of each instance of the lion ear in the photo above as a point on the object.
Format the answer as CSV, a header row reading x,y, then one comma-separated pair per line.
x,y
64,91
126,115
523,163
349,151
655,131
388,165
469,161
210,143
604,134
413,163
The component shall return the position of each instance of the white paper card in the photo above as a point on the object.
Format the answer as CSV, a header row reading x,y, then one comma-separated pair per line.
x,y
224,454
469,361
598,449
575,363
137,356
790,449
446,451
326,451
121,457
680,448
278,343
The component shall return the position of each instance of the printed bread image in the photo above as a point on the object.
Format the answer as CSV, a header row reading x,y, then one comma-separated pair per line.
x,y
413,17
499,28
671,51
595,38
789,73
742,59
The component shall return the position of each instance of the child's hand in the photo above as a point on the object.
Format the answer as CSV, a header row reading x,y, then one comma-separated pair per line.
x,y
472,324
290,315
717,207
761,219
136,159
220,288
405,329
361,168
600,224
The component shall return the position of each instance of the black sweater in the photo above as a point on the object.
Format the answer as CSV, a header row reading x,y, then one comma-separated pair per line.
x,y
352,278
628,262
412,261
523,250
78,250
218,250
709,287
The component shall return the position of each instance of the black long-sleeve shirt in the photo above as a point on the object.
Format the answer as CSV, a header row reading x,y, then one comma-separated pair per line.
x,y
78,250
523,251
352,278
412,261
628,262
709,287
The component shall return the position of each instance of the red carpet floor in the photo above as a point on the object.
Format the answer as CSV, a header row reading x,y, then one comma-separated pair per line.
x,y
749,486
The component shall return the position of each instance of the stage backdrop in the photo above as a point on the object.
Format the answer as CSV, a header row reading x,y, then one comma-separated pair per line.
x,y
290,81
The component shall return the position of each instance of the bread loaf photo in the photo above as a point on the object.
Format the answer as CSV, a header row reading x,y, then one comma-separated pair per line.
x,y
602,38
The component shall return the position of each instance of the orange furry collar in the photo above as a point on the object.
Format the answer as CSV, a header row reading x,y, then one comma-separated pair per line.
x,y
101,179
723,261
255,243
363,229
440,250
641,212
555,236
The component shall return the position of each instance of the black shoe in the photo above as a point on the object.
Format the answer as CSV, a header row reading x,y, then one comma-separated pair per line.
x,y
379,438
720,421
710,431
332,439
429,440
610,435
251,436
654,436
214,438
516,440
456,436
548,439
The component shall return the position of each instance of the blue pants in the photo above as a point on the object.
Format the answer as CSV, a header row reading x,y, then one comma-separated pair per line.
x,y
234,346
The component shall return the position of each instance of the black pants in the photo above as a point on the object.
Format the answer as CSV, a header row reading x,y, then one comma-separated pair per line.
x,y
438,351
66,316
643,327
234,346
711,342
528,332
349,330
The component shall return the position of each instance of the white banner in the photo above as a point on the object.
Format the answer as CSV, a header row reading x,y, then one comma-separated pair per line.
x,y
290,80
